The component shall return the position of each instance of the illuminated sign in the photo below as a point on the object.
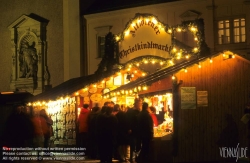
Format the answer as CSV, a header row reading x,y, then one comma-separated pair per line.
x,y
144,35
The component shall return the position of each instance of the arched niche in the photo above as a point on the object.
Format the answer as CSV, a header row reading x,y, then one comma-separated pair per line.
x,y
29,54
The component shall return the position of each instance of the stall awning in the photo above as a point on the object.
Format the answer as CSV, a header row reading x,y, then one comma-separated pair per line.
x,y
69,87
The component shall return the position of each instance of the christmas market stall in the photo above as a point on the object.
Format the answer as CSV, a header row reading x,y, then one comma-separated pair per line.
x,y
194,88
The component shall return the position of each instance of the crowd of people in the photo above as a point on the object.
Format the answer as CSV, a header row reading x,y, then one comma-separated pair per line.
x,y
26,127
110,132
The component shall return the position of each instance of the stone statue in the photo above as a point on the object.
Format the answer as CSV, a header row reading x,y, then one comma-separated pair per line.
x,y
28,59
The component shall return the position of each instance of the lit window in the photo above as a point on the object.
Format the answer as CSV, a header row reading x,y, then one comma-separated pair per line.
x,y
231,31
224,32
239,30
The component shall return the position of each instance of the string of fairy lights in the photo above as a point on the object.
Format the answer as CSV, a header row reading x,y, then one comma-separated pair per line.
x,y
70,100
133,66
176,52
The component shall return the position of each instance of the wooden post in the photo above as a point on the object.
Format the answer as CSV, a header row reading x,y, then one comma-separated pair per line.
x,y
176,108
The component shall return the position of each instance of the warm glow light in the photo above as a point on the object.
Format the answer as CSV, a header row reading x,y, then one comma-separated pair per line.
x,y
233,56
195,38
173,77
154,21
77,93
178,55
137,64
178,29
146,61
153,62
127,32
195,49
171,62
135,71
199,65
169,30
193,29
211,61
185,70
117,38
161,63
143,74
6,93
187,56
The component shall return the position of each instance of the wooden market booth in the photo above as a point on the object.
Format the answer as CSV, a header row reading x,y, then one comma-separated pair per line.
x,y
155,62
204,87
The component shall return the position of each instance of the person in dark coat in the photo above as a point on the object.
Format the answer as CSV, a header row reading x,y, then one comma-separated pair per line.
x,y
106,124
121,148
145,125
30,128
18,128
132,124
229,136
91,122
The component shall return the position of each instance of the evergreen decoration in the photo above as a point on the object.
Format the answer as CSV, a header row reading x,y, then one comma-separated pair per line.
x,y
200,34
178,49
109,59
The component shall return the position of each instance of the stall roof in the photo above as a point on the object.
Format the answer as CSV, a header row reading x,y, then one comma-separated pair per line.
x,y
16,97
69,87
163,73
169,71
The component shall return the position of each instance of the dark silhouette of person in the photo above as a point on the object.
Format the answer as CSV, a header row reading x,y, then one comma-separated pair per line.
x,y
17,130
145,125
91,121
229,135
121,148
132,124
106,124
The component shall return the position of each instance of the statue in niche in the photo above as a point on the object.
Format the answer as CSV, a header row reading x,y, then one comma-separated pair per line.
x,y
28,60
